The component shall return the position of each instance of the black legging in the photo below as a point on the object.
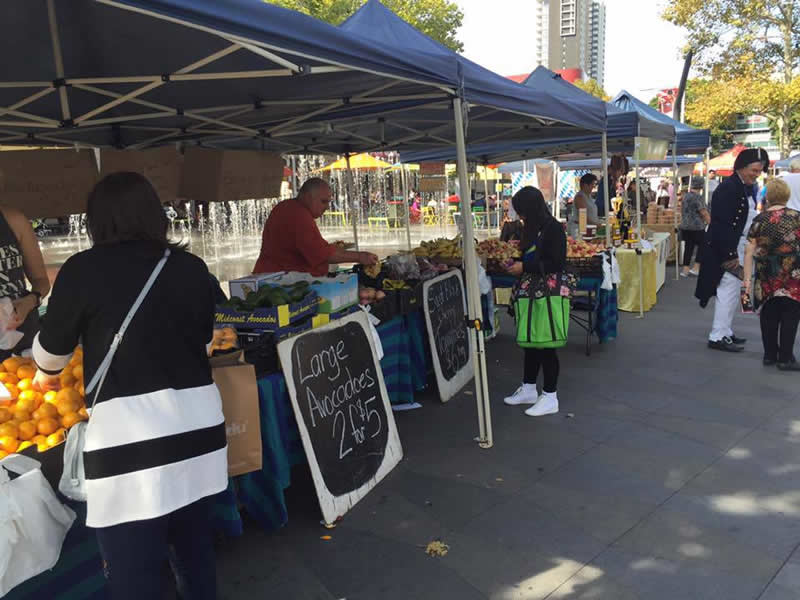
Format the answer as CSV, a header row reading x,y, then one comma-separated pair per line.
x,y
692,240
779,320
548,360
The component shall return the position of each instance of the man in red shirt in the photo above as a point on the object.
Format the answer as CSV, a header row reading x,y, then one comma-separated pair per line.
x,y
292,242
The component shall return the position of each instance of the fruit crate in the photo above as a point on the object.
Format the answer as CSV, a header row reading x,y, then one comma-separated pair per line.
x,y
586,266
269,319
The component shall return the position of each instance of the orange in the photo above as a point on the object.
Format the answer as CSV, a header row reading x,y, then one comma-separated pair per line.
x,y
56,438
77,372
50,396
12,364
66,378
3,453
13,390
8,443
9,378
68,400
83,412
82,391
45,410
27,429
9,429
23,445
47,425
25,384
20,414
26,372
27,401
69,419
5,415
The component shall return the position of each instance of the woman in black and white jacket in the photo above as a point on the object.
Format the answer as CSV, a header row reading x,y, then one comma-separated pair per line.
x,y
155,446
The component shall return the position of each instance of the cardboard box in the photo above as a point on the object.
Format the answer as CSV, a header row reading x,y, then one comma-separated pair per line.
x,y
335,293
47,183
162,166
269,319
239,288
220,175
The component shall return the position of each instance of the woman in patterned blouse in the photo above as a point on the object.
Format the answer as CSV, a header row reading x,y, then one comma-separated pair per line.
x,y
774,248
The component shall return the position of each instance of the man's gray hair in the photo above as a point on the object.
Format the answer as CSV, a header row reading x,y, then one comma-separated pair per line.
x,y
794,164
312,186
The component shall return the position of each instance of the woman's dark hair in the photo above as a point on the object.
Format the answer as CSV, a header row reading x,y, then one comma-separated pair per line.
x,y
588,179
530,205
125,207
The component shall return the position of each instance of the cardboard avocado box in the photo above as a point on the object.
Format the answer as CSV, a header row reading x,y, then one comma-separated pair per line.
x,y
269,319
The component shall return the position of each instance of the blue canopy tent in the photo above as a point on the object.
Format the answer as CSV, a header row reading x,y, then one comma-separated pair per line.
x,y
247,74
593,164
688,140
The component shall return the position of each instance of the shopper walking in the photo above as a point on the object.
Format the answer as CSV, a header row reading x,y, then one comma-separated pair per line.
x,y
155,446
733,209
774,249
694,219
544,247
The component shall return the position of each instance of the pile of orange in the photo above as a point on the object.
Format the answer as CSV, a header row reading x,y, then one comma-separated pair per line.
x,y
30,417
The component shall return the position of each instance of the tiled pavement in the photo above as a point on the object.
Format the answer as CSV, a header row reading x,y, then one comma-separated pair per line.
x,y
678,478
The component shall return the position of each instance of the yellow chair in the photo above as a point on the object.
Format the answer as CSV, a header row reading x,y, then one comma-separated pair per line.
x,y
375,221
429,216
333,216
451,210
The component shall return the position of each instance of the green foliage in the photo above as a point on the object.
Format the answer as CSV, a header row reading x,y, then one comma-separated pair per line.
x,y
749,53
592,87
438,19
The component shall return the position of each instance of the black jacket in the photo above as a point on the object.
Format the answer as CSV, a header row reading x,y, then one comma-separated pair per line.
x,y
551,250
729,210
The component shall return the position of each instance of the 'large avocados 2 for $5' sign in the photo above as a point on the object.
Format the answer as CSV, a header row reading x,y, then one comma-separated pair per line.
x,y
342,409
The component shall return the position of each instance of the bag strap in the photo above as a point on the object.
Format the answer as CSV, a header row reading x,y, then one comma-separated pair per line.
x,y
100,375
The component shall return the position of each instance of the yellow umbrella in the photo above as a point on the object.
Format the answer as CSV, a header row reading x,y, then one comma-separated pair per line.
x,y
357,161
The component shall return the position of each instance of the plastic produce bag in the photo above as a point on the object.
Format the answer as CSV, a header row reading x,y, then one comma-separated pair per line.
x,y
402,267
33,522
8,337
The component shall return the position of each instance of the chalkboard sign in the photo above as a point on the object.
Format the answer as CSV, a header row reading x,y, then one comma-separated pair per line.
x,y
339,398
445,310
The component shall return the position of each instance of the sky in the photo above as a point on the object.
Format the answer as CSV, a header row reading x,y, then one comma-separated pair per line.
x,y
642,50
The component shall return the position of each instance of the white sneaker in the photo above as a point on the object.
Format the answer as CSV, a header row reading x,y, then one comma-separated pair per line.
x,y
684,273
525,394
546,405
693,273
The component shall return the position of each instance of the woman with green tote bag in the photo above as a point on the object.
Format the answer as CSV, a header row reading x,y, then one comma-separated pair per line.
x,y
541,301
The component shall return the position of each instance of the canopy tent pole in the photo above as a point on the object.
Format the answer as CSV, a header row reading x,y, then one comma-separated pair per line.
x,y
486,195
556,200
675,183
606,198
639,234
404,187
351,201
485,439
705,172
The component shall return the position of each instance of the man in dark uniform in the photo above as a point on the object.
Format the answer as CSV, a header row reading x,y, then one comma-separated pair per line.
x,y
733,208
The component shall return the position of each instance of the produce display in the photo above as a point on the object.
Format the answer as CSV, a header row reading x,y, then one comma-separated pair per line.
x,y
440,248
269,296
584,249
373,270
225,340
33,418
368,295
496,249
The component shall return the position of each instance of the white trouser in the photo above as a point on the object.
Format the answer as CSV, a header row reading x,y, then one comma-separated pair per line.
x,y
727,303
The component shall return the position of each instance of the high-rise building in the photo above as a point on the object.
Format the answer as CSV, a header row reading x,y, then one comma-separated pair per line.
x,y
570,35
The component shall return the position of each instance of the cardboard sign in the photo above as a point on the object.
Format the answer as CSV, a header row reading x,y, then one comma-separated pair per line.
x,y
47,183
342,409
162,166
432,184
221,175
431,168
445,308
239,390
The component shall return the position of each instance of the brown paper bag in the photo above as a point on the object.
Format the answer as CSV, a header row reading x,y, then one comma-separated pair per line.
x,y
239,390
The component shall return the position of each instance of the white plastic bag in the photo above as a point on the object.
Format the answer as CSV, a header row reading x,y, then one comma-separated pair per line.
x,y
8,337
33,522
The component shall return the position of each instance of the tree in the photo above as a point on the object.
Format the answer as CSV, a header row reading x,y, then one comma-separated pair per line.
x,y
438,19
749,52
591,86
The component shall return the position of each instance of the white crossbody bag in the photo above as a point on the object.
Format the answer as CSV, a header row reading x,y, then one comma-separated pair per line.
x,y
73,478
